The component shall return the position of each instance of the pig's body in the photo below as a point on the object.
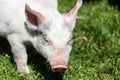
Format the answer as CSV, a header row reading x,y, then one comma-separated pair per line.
x,y
38,22
13,13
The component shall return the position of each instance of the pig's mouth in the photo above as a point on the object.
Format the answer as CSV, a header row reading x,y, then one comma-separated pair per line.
x,y
59,68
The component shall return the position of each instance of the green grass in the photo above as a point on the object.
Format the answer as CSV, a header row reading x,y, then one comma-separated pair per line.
x,y
95,58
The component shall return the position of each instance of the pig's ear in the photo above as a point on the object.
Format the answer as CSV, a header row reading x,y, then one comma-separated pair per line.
x,y
33,18
72,15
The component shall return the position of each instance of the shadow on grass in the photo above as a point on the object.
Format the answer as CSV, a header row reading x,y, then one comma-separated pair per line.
x,y
40,64
115,3
90,0
5,48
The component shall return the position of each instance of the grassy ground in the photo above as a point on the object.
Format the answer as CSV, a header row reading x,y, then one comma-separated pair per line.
x,y
96,48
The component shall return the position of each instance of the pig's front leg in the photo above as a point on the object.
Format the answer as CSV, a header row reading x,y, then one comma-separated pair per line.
x,y
19,51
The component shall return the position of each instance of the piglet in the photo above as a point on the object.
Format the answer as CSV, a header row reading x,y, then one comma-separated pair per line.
x,y
40,23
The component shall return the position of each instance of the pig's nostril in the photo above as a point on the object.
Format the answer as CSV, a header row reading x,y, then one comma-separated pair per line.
x,y
59,68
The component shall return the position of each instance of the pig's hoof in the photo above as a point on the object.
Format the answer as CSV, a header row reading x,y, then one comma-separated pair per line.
x,y
23,69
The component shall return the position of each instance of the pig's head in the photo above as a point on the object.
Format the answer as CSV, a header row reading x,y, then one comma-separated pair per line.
x,y
53,35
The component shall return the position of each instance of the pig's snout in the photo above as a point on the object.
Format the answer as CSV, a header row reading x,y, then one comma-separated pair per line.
x,y
59,68
59,65
59,61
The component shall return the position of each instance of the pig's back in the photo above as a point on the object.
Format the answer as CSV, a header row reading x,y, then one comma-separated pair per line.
x,y
10,9
15,9
12,15
12,12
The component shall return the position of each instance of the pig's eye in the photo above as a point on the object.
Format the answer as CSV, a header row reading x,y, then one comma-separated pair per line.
x,y
47,41
70,41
